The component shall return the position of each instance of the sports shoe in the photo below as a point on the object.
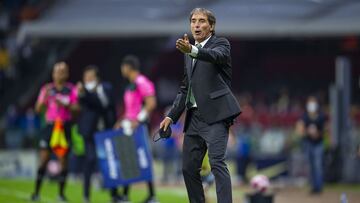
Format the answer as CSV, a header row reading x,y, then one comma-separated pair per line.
x,y
124,199
120,199
62,199
35,197
151,200
86,200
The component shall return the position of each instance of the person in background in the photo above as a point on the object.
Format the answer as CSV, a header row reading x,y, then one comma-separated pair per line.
x,y
97,113
311,128
59,98
140,101
243,157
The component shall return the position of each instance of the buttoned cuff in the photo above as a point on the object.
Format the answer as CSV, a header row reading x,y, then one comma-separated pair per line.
x,y
194,51
170,119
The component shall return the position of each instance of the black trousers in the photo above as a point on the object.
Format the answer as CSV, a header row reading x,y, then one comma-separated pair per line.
x,y
199,137
89,165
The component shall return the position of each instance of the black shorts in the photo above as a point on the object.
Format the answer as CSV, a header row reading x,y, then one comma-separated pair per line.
x,y
44,142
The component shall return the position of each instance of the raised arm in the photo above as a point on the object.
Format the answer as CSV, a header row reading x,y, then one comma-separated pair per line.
x,y
218,54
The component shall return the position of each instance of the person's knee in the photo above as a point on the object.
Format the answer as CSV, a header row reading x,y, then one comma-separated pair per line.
x,y
190,169
64,162
217,161
89,167
63,175
43,165
90,160
44,159
41,172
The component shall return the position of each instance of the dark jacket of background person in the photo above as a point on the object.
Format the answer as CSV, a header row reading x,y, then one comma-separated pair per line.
x,y
318,122
92,110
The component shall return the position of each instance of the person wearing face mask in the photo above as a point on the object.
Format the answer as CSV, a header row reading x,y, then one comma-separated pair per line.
x,y
97,113
311,128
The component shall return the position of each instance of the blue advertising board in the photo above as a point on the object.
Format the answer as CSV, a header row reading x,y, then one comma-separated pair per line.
x,y
124,159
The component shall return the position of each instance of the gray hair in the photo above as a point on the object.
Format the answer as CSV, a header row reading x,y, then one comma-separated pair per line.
x,y
210,16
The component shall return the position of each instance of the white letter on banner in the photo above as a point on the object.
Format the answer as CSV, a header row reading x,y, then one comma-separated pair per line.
x,y
142,158
110,159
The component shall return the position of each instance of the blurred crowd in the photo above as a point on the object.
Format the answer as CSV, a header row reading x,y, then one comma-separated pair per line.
x,y
13,52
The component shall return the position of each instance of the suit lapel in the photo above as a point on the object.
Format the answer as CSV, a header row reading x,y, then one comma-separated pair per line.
x,y
193,62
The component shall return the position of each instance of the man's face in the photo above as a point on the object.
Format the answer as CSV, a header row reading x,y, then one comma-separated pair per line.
x,y
125,70
60,72
90,76
200,27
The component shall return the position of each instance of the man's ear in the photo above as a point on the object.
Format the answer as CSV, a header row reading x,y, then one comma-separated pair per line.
x,y
212,27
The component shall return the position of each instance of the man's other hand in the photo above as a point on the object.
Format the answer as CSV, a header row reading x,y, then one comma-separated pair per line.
x,y
165,123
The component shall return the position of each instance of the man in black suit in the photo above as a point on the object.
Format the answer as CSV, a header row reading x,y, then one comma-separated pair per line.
x,y
97,113
210,106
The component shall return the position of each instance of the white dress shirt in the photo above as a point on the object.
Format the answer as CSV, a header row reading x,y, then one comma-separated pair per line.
x,y
195,50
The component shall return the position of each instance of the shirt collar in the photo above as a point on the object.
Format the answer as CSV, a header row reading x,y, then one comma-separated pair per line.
x,y
203,42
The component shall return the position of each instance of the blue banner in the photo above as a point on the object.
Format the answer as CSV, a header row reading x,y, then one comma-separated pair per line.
x,y
124,159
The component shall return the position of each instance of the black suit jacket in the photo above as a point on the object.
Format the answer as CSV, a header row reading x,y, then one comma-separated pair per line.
x,y
210,78
92,110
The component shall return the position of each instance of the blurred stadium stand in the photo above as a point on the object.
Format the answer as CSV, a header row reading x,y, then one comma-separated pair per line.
x,y
74,18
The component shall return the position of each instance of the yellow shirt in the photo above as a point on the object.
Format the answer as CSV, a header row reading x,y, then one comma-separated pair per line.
x,y
4,59
205,167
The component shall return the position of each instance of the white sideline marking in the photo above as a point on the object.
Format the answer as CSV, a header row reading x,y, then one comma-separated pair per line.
x,y
23,195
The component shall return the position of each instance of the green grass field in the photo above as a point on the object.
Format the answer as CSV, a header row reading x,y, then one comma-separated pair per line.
x,y
18,191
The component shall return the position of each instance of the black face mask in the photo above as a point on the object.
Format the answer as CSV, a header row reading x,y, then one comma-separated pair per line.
x,y
162,134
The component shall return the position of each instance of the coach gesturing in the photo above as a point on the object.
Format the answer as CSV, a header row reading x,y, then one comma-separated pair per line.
x,y
205,94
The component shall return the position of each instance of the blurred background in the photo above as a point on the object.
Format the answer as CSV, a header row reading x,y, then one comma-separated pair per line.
x,y
283,51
